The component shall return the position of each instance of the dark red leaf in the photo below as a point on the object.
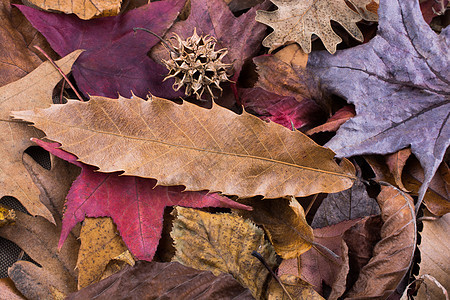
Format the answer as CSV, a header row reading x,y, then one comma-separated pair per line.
x,y
134,203
115,61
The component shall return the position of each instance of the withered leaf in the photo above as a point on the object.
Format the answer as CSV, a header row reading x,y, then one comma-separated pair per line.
x,y
83,9
393,254
100,243
32,91
335,121
153,280
7,216
222,243
241,155
298,20
402,75
285,224
350,204
434,253
316,266
396,162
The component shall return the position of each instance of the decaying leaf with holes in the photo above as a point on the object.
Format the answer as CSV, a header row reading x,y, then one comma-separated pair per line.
x,y
298,20
32,91
185,145
222,243
195,64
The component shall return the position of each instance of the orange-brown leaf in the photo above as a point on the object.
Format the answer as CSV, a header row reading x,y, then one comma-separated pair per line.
x,y
202,149
83,9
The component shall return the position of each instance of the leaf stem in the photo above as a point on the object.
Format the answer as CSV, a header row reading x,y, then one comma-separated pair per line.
x,y
60,71
160,38
263,261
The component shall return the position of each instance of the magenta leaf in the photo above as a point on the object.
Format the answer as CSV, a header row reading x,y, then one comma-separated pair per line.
x,y
134,203
115,61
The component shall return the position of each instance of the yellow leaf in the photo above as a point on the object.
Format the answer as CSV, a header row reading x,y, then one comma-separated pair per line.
x,y
100,243
298,20
285,224
202,149
7,216
222,243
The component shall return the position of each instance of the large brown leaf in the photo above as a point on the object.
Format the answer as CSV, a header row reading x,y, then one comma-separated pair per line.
x,y
164,281
186,145
393,254
34,90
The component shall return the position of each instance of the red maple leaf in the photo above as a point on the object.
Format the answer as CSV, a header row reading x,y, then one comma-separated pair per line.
x,y
135,204
115,61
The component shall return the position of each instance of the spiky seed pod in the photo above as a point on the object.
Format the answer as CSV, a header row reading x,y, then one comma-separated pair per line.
x,y
195,64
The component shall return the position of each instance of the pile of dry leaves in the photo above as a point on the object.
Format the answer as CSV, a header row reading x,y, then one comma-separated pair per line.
x,y
236,150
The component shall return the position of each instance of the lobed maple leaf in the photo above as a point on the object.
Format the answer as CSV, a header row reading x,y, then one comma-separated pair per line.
x,y
399,83
134,204
298,20
115,61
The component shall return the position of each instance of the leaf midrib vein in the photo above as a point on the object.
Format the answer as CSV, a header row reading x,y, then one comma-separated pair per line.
x,y
199,149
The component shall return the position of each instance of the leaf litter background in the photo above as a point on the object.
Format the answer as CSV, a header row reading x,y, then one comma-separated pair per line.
x,y
165,198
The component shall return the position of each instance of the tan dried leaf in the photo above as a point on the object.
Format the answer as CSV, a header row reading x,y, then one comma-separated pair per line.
x,y
222,243
293,55
83,9
393,254
285,224
9,291
435,255
186,145
368,9
100,243
298,20
32,91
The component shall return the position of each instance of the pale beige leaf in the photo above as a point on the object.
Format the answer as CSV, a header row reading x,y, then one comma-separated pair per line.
x,y
83,9
298,20
222,243
202,149
100,243
435,255
366,8
32,91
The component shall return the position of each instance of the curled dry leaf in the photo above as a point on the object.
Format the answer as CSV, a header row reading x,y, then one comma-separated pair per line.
x,y
296,287
83,9
410,96
297,21
222,243
393,254
435,255
350,204
100,243
316,266
285,224
32,91
335,121
241,155
436,198
164,281
396,162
